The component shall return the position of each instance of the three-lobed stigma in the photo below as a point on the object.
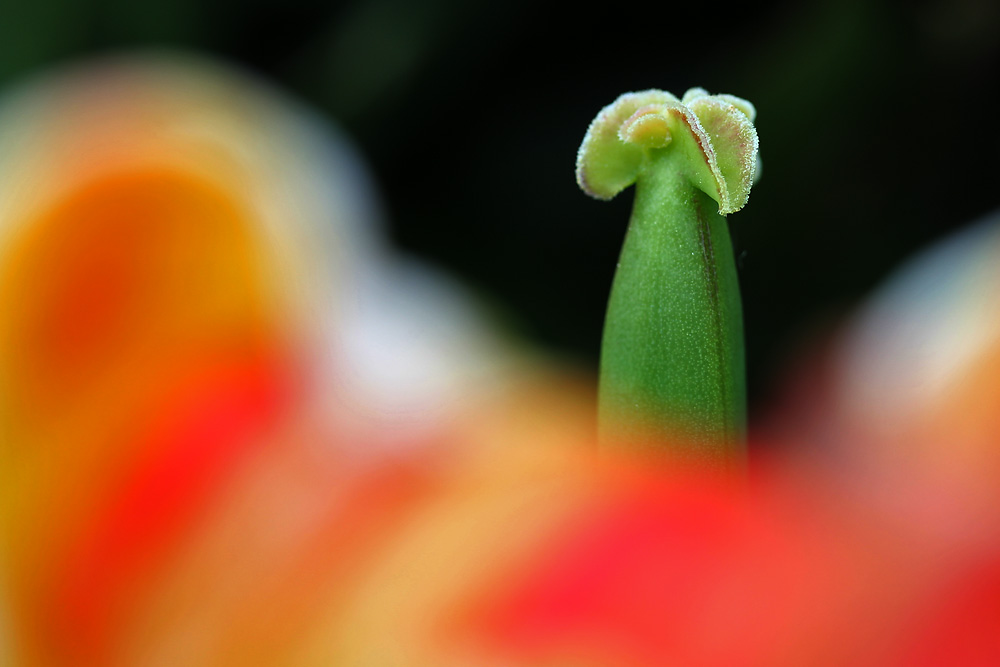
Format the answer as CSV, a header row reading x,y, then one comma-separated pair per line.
x,y
714,133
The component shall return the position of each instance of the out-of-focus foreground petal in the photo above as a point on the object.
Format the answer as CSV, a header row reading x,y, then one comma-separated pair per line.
x,y
157,309
921,362
200,334
909,388
587,561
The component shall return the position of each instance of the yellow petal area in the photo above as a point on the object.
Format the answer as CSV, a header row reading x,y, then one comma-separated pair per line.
x,y
134,267
152,314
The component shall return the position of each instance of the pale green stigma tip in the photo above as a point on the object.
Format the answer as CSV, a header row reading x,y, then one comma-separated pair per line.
x,y
715,133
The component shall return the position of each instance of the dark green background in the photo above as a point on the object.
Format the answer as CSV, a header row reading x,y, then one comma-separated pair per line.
x,y
878,125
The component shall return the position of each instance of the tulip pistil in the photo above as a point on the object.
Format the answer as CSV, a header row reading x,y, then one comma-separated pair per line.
x,y
672,360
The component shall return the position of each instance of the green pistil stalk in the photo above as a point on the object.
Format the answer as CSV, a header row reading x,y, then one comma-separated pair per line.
x,y
672,356
672,362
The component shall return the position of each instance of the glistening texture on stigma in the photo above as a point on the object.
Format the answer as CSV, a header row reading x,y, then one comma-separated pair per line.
x,y
717,132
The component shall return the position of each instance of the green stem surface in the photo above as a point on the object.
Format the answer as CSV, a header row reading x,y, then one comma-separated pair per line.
x,y
672,360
